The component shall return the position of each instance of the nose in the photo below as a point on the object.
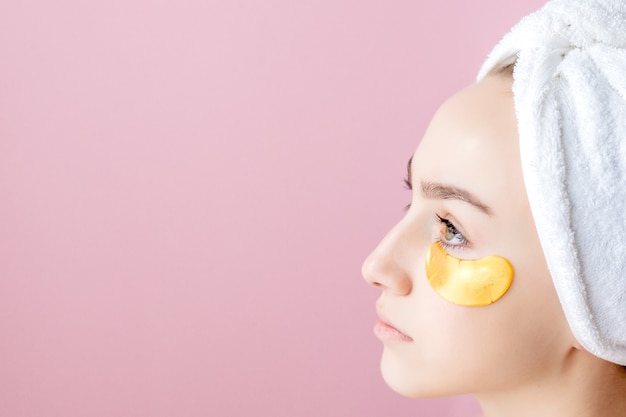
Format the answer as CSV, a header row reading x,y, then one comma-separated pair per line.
x,y
389,265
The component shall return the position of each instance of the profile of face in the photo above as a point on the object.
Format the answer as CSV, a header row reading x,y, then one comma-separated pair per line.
x,y
468,195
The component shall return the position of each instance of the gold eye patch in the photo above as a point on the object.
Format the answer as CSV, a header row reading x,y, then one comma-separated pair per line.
x,y
478,282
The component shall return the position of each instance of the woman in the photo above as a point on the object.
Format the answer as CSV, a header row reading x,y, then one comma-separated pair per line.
x,y
506,278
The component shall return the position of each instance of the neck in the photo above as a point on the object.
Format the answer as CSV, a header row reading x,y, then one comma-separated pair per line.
x,y
586,387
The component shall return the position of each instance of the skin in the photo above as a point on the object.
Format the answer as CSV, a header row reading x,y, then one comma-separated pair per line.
x,y
518,355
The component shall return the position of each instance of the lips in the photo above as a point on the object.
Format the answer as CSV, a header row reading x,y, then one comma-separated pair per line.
x,y
388,334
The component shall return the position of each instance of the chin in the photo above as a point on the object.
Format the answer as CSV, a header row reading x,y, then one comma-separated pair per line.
x,y
410,382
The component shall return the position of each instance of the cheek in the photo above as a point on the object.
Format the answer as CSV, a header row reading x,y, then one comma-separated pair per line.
x,y
460,349
539,308
535,297
519,338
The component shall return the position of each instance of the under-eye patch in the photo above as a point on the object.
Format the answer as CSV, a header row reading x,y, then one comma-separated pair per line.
x,y
478,282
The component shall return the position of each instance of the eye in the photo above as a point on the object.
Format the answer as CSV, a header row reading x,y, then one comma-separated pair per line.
x,y
449,236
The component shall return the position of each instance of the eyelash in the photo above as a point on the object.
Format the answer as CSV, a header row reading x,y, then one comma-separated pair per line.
x,y
449,225
443,221
407,186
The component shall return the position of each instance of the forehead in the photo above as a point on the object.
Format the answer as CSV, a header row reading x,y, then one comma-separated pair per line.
x,y
472,143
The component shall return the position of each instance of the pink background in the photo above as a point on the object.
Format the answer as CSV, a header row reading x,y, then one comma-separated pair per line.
x,y
188,189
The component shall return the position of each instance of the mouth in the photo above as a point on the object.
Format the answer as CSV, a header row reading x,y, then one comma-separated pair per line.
x,y
389,334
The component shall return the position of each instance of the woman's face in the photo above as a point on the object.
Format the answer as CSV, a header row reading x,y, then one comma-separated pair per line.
x,y
468,193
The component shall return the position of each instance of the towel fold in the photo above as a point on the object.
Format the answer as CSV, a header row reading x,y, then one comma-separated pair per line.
x,y
570,98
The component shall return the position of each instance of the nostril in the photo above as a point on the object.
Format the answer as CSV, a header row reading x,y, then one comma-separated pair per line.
x,y
369,270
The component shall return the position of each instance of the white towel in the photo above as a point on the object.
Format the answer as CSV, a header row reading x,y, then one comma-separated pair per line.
x,y
570,98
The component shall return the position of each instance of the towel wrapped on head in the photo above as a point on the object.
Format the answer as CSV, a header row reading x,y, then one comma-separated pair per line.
x,y
570,98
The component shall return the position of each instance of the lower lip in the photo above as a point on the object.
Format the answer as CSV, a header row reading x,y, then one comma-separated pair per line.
x,y
387,333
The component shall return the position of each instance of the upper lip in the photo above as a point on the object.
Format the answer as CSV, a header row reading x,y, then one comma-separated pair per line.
x,y
382,318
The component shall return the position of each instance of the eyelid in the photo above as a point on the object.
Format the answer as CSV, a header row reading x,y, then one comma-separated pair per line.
x,y
444,220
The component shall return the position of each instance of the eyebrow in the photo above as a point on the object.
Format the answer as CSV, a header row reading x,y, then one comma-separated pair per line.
x,y
439,191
